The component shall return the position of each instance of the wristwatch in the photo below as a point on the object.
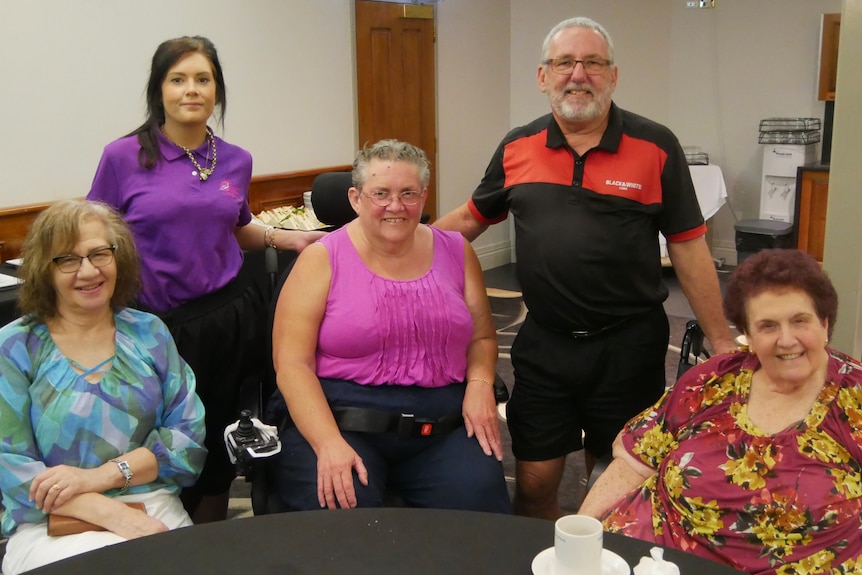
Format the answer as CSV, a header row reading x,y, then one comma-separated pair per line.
x,y
126,471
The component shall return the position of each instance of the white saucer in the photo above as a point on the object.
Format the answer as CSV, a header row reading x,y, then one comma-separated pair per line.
x,y
612,564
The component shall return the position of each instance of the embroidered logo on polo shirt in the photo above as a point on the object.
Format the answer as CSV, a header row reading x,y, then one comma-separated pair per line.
x,y
228,189
624,185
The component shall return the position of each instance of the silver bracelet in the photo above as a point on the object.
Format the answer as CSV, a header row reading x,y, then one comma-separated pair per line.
x,y
269,237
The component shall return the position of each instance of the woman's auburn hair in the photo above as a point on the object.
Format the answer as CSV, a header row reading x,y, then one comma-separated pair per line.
x,y
780,269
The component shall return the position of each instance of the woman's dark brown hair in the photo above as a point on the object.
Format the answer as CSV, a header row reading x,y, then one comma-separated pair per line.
x,y
167,54
780,269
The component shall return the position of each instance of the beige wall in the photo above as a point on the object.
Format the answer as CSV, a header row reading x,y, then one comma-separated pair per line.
x,y
74,75
473,105
843,258
710,75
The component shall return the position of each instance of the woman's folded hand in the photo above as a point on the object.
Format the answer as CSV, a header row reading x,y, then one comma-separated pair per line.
x,y
57,485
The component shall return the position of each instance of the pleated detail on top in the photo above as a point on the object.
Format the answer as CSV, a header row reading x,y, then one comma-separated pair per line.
x,y
397,332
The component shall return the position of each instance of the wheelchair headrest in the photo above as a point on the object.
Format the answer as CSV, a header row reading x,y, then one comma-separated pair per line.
x,y
329,198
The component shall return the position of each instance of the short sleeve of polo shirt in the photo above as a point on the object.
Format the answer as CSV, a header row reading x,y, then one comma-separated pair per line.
x,y
490,201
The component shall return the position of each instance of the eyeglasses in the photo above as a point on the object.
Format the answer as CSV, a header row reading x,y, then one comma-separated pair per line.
x,y
383,198
99,258
565,65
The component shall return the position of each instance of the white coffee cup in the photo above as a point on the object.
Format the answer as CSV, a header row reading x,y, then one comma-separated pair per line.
x,y
578,545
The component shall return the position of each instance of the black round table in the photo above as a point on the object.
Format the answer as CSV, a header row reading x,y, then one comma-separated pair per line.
x,y
352,542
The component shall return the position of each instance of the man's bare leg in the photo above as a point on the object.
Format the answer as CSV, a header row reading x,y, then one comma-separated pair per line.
x,y
536,487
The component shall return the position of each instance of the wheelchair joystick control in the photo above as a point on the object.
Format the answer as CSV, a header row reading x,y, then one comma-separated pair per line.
x,y
245,430
248,439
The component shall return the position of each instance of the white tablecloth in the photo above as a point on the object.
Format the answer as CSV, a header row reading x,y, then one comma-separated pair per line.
x,y
711,194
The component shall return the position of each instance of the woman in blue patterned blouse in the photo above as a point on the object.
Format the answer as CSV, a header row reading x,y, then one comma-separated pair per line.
x,y
97,408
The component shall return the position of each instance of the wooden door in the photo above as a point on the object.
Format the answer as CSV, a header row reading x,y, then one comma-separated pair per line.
x,y
813,193
830,31
395,71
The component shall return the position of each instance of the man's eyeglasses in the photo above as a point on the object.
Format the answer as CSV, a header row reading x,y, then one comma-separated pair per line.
x,y
383,198
565,65
99,258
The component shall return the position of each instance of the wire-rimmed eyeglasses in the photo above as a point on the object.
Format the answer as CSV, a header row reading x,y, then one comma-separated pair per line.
x,y
565,65
383,198
70,263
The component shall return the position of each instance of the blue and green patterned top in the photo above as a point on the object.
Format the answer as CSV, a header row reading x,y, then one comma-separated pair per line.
x,y
50,415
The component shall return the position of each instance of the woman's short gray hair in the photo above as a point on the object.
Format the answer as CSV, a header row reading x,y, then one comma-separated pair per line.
x,y
390,151
578,22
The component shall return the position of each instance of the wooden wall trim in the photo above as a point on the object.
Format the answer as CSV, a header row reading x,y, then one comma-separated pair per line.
x,y
275,190
266,192
14,223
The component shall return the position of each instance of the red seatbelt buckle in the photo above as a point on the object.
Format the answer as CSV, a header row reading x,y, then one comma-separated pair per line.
x,y
426,429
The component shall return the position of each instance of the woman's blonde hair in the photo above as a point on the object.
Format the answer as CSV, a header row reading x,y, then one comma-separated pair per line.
x,y
55,232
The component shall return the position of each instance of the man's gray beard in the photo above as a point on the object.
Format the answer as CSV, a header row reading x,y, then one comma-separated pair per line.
x,y
574,113
580,113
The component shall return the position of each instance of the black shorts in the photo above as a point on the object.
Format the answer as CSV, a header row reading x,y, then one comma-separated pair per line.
x,y
565,386
221,337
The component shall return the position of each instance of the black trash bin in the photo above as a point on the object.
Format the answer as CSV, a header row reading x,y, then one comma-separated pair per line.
x,y
755,235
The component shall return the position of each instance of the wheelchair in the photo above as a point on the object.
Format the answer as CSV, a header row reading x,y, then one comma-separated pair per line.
x,y
253,448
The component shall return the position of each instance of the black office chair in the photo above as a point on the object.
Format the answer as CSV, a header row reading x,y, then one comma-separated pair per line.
x,y
331,207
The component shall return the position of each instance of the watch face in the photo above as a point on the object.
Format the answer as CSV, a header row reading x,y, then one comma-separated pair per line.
x,y
124,468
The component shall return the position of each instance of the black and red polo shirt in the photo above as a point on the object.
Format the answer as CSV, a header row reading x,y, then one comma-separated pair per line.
x,y
586,227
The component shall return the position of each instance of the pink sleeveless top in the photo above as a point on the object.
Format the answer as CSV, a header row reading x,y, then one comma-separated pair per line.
x,y
378,331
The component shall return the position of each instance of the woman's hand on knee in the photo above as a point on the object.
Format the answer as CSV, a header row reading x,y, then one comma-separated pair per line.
x,y
480,418
335,464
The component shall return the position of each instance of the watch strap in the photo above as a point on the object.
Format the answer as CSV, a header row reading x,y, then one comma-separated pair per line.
x,y
126,471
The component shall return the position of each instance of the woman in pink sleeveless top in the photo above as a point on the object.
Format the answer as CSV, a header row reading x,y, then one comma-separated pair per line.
x,y
385,354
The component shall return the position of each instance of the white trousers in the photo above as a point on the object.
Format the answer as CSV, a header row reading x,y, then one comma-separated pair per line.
x,y
31,547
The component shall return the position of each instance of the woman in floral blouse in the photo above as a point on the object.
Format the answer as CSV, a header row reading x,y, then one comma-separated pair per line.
x,y
753,458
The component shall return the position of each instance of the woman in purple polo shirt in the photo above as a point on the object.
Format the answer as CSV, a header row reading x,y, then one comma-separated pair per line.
x,y
184,193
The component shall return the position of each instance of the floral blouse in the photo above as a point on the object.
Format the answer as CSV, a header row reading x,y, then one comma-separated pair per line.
x,y
787,503
51,415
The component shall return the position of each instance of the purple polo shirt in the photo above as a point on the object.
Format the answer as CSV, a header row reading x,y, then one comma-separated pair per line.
x,y
183,227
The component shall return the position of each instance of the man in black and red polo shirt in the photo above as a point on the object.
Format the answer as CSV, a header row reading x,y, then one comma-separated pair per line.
x,y
590,186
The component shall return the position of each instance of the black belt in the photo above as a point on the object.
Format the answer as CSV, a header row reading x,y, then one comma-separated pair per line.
x,y
588,333
585,333
367,420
